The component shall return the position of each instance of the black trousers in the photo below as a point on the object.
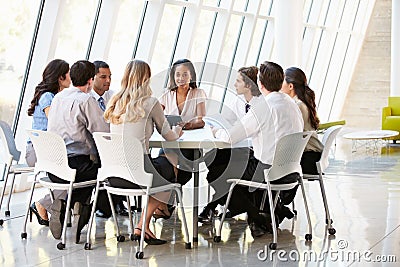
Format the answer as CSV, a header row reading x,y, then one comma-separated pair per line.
x,y
308,162
224,164
86,170
245,199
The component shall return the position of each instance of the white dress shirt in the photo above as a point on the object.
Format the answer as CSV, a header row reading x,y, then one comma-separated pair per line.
x,y
106,96
275,116
239,107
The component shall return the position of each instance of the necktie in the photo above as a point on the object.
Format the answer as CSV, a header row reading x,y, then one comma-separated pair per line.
x,y
247,107
101,104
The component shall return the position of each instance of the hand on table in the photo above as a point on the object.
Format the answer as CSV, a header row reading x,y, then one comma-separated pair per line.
x,y
178,130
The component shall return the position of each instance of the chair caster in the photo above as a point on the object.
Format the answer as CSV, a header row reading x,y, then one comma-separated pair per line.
x,y
217,239
7,213
88,246
326,221
308,237
272,246
120,238
60,246
1,222
331,231
139,255
23,235
188,245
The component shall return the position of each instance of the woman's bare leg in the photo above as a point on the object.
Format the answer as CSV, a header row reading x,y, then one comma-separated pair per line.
x,y
151,207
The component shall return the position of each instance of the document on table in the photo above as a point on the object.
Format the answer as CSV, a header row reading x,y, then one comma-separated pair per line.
x,y
217,120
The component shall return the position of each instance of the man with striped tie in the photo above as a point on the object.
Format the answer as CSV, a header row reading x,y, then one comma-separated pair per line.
x,y
101,84
102,93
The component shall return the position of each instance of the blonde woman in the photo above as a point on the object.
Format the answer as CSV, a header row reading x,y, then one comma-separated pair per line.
x,y
134,112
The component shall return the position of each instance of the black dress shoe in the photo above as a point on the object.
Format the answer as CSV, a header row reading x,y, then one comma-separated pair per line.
x,y
228,215
100,214
205,217
282,213
264,221
121,209
255,230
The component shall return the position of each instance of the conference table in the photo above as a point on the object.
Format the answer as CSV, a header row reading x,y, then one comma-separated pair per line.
x,y
199,140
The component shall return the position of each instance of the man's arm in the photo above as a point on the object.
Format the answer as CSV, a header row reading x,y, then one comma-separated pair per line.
x,y
242,129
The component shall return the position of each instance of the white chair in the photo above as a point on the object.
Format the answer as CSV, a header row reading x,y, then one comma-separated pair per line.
x,y
327,140
287,158
124,158
9,156
51,154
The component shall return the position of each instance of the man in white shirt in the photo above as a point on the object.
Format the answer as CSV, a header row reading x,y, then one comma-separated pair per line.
x,y
265,124
75,115
223,164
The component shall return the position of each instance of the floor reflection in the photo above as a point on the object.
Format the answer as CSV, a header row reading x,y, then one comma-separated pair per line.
x,y
363,191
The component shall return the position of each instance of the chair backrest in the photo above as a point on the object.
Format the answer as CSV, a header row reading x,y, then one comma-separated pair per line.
x,y
121,157
51,154
288,152
327,141
394,104
7,137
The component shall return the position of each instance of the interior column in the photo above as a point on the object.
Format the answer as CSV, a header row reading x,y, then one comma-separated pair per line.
x,y
395,51
288,32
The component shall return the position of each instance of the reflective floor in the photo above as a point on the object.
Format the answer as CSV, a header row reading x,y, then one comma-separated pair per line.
x,y
363,189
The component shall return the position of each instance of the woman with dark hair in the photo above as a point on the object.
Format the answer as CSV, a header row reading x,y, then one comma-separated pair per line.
x,y
182,98
55,78
295,85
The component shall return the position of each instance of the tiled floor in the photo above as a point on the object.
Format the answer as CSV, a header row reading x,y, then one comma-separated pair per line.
x,y
363,190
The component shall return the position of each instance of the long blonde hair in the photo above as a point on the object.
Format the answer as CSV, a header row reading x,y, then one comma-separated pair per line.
x,y
127,104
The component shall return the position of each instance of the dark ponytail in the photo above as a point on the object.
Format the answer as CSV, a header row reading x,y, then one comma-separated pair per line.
x,y
309,100
297,77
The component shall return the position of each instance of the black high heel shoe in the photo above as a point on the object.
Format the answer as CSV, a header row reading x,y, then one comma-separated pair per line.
x,y
164,215
148,239
33,209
